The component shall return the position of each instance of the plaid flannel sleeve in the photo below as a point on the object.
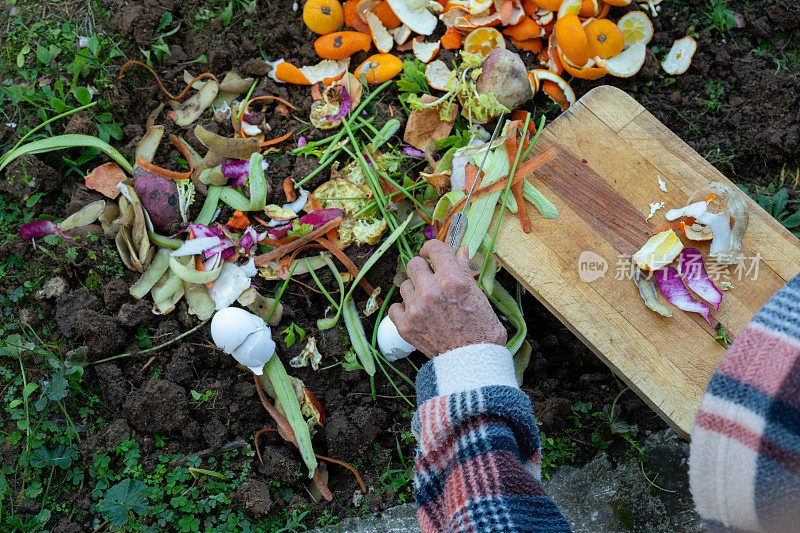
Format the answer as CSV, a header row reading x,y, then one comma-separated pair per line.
x,y
478,465
744,464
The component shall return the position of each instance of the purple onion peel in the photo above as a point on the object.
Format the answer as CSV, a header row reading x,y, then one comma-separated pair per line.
x,y
671,286
343,109
429,232
693,271
410,151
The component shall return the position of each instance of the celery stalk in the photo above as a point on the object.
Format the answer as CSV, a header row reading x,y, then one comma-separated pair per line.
x,y
284,392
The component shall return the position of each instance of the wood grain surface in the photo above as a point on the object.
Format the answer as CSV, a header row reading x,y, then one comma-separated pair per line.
x,y
610,154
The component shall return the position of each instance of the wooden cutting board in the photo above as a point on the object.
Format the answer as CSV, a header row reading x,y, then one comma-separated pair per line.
x,y
610,153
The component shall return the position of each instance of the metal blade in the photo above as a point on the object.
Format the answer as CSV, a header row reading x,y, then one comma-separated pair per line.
x,y
459,222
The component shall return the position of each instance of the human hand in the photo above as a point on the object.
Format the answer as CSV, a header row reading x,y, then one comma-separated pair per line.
x,y
443,308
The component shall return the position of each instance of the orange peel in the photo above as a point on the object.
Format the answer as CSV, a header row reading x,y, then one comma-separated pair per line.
x,y
323,16
625,64
555,87
530,45
523,30
550,5
384,12
425,52
569,7
605,38
679,57
438,75
326,71
452,39
572,39
380,35
618,3
379,68
586,73
342,44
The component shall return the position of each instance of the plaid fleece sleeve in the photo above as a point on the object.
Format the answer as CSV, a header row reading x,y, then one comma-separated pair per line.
x,y
478,465
744,464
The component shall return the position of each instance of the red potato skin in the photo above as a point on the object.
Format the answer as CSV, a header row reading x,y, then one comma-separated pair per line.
x,y
159,197
505,75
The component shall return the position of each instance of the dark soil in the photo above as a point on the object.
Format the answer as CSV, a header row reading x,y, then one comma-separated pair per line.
x,y
754,132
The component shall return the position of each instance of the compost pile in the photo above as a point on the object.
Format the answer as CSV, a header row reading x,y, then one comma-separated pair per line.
x,y
297,189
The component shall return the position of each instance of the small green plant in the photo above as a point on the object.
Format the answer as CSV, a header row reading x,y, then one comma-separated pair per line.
x,y
714,103
292,334
144,338
202,398
720,17
777,204
721,336
556,451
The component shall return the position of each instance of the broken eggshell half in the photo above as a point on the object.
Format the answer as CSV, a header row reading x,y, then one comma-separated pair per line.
x,y
391,344
243,335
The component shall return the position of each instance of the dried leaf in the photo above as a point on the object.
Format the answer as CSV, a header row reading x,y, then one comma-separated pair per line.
x,y
104,179
425,125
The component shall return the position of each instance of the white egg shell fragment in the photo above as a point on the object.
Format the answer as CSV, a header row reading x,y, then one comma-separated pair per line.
x,y
243,335
391,344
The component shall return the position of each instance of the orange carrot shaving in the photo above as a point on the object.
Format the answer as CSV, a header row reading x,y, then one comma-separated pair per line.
x,y
512,147
153,72
391,112
238,221
276,140
524,171
348,466
288,190
266,97
280,251
520,116
285,430
710,197
348,264
416,204
171,174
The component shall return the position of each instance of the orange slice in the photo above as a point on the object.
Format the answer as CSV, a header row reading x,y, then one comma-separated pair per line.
x,y
483,41
636,27
605,38
660,250
569,7
572,39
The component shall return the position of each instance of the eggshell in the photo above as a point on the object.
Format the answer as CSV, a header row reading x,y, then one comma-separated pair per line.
x,y
255,351
231,326
243,335
391,344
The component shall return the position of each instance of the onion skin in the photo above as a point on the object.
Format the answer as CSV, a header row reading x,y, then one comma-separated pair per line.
x,y
691,267
504,74
671,286
37,229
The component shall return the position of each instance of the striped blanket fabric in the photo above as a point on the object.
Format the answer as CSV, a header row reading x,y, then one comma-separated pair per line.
x,y
478,464
744,465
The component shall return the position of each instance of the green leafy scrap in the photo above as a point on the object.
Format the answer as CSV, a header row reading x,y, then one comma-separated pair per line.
x,y
293,334
298,230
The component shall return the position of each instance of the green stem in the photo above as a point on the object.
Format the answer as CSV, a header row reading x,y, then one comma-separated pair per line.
x,y
49,121
321,287
154,348
280,292
247,98
489,252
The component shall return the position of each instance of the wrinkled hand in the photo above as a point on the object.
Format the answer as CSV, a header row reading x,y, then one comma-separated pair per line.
x,y
443,308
